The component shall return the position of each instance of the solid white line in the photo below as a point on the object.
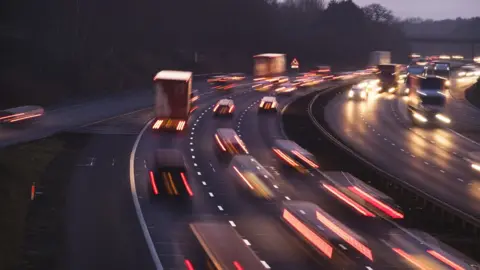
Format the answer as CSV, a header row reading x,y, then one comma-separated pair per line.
x,y
464,137
136,203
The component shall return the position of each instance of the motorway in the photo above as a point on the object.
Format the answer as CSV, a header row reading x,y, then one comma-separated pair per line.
x,y
430,159
216,197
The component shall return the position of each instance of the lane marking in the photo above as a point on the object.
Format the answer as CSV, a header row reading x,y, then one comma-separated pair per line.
x,y
136,202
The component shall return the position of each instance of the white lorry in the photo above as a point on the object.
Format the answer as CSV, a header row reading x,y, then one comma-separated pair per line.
x,y
379,58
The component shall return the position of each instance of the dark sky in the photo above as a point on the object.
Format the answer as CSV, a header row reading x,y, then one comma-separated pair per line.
x,y
429,9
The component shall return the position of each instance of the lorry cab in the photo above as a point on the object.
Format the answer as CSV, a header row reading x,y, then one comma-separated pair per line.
x,y
224,107
294,156
388,75
427,100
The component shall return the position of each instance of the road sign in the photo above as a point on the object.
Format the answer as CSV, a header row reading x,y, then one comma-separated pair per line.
x,y
294,63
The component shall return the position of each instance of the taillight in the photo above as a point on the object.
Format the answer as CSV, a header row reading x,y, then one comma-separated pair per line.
x,y
187,186
231,109
152,182
216,108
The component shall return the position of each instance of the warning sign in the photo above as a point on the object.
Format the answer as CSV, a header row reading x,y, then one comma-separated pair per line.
x,y
294,63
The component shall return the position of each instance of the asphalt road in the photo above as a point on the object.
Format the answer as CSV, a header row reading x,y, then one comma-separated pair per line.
x,y
218,198
76,115
430,159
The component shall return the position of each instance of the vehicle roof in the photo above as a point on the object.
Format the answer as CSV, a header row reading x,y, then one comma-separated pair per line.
x,y
226,133
169,157
24,109
173,75
269,98
307,212
249,163
223,242
225,101
290,145
269,55
345,180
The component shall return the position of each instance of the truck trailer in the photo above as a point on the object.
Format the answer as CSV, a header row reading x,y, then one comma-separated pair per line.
x,y
268,65
379,58
172,99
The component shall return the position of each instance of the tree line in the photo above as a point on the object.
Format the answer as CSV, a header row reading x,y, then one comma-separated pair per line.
x,y
64,48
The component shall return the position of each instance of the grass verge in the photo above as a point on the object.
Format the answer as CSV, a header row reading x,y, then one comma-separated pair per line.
x,y
23,220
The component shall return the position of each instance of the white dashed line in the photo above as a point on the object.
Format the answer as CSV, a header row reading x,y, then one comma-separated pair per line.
x,y
426,163
288,198
246,242
211,194
220,207
442,171
460,179
342,246
204,183
265,264
232,223
402,150
199,173
191,149
195,164
412,156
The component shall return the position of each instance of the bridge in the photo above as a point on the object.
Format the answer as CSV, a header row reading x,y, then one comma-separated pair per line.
x,y
473,42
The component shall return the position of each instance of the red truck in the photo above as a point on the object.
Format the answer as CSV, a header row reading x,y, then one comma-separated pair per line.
x,y
173,91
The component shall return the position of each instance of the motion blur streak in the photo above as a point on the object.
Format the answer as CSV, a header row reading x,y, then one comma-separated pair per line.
x,y
189,265
154,185
302,157
243,177
446,261
11,116
187,186
385,208
349,201
220,143
345,236
285,157
237,265
240,142
25,117
308,234
408,258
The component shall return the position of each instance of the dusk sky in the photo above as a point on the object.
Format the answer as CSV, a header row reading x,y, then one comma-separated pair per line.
x,y
429,9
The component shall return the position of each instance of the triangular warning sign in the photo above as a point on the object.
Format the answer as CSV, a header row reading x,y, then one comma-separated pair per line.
x,y
294,62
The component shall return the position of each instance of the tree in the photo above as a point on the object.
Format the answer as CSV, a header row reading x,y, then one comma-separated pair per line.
x,y
379,13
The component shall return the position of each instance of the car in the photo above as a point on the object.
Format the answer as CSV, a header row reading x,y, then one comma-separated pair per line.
x,y
252,176
224,107
236,76
285,89
224,85
263,86
358,92
229,144
169,177
268,104
293,155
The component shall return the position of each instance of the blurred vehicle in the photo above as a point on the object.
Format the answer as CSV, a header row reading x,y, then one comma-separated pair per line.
x,y
252,176
442,69
224,85
426,101
224,107
304,82
360,197
268,65
285,89
169,175
323,72
474,160
388,76
236,76
229,143
268,104
379,58
223,248
412,71
20,114
359,91
263,86
326,235
294,155
278,80
422,251
216,78
172,99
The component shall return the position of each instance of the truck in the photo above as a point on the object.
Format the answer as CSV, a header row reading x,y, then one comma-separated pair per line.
x,y
388,76
442,69
426,101
379,58
268,65
172,99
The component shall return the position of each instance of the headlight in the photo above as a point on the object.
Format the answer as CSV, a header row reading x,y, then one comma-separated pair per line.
x,y
391,90
363,94
447,83
420,117
443,118
475,166
350,93
407,90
